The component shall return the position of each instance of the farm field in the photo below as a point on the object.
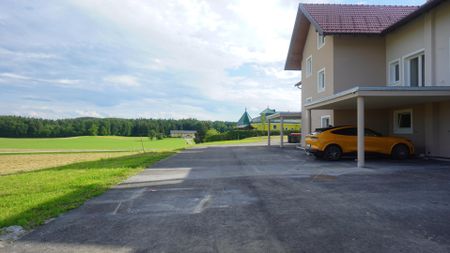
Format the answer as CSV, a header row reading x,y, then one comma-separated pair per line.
x,y
89,143
20,155
13,163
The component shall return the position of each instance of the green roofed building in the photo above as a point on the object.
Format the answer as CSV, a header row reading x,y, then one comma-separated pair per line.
x,y
261,123
245,121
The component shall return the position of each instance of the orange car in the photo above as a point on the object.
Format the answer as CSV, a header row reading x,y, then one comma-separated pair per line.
x,y
330,143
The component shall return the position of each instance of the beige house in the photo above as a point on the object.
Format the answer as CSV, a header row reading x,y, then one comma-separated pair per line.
x,y
381,67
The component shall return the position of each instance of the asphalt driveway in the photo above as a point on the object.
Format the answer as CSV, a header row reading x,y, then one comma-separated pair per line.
x,y
259,199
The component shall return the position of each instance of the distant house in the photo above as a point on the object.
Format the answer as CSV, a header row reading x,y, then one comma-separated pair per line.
x,y
377,66
186,134
261,122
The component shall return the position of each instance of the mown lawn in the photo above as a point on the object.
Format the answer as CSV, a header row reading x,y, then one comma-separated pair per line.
x,y
30,198
90,143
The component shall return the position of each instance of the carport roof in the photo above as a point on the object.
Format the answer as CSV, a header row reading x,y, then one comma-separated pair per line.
x,y
285,115
382,97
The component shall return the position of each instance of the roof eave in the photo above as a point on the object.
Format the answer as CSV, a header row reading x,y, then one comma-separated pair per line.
x,y
353,33
293,59
311,19
422,9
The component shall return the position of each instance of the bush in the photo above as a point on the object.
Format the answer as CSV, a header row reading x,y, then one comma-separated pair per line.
x,y
241,134
211,132
159,136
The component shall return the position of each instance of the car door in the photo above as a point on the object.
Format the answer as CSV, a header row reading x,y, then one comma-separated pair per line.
x,y
346,139
374,142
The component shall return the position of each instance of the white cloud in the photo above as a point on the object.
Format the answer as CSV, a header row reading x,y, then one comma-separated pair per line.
x,y
122,80
87,113
26,55
12,76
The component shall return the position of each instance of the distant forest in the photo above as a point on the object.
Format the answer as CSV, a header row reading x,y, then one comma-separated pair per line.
x,y
16,126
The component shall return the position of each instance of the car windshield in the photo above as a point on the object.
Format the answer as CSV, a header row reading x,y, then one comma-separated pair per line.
x,y
323,129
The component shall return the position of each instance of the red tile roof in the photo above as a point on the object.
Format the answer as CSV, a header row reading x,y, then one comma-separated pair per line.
x,y
354,19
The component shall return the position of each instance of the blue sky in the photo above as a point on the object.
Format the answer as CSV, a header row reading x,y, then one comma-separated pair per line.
x,y
159,59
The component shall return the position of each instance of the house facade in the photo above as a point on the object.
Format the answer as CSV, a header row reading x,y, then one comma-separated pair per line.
x,y
381,67
186,134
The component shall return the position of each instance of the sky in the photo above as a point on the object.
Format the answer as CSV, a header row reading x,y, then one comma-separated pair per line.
x,y
148,58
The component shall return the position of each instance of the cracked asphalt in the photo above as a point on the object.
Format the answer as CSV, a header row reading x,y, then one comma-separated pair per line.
x,y
260,199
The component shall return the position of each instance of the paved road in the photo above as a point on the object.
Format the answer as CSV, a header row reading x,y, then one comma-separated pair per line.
x,y
256,199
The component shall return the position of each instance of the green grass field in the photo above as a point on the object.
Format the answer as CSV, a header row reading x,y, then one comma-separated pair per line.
x,y
90,143
30,198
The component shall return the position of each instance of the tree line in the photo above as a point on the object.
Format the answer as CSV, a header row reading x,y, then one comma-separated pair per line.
x,y
17,126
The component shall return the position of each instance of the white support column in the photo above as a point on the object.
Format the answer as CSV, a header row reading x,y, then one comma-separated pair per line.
x,y
268,132
309,120
281,132
360,126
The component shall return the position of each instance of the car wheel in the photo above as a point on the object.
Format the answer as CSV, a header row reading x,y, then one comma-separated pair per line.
x,y
400,152
332,153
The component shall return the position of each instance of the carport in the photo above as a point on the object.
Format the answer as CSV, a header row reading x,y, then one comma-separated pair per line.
x,y
281,116
361,98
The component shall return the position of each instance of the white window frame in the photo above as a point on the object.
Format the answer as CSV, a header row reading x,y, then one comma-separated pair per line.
x,y
406,64
309,68
391,72
320,41
397,129
319,88
325,117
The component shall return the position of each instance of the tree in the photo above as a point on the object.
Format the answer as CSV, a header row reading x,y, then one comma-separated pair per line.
x,y
93,129
151,134
15,126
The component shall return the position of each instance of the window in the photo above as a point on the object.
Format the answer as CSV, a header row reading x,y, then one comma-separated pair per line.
x,y
371,133
320,41
274,126
325,121
308,66
352,131
321,80
346,131
394,72
403,122
415,70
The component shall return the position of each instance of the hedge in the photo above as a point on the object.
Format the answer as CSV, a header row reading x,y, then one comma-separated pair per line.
x,y
242,134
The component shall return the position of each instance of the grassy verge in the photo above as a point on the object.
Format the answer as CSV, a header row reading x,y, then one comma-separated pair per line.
x,y
30,198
